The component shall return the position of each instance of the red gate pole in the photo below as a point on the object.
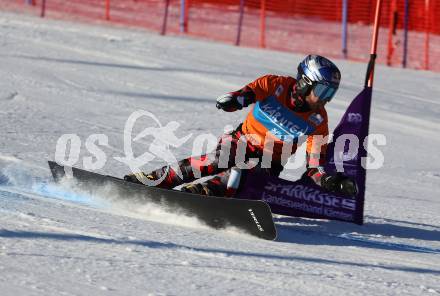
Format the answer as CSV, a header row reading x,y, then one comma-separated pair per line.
x,y
373,55
107,10
427,35
263,23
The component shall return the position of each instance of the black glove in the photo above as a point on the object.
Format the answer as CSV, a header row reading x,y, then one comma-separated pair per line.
x,y
228,103
305,178
236,100
339,184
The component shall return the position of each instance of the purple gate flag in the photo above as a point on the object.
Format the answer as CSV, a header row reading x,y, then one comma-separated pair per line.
x,y
303,198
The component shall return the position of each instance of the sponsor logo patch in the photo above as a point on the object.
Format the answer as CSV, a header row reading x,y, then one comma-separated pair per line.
x,y
355,118
282,123
279,91
316,119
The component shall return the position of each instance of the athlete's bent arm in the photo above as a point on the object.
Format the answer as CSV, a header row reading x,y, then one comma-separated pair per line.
x,y
236,100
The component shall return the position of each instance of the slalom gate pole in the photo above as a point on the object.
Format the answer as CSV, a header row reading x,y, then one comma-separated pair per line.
x,y
373,53
365,108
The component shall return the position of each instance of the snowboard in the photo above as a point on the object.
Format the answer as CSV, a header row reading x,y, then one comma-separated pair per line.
x,y
251,216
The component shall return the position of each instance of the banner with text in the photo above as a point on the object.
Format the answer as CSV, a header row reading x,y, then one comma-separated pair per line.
x,y
303,198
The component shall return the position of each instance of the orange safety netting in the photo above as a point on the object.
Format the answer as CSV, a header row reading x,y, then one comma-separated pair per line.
x,y
301,26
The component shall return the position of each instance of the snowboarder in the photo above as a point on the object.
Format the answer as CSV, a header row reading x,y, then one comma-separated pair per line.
x,y
286,109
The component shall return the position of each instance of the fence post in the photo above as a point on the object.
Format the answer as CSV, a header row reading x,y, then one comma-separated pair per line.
x,y
240,22
405,33
186,20
107,10
183,16
392,31
43,8
344,28
263,23
427,28
165,18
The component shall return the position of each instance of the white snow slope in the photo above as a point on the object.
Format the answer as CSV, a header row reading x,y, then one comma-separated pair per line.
x,y
67,78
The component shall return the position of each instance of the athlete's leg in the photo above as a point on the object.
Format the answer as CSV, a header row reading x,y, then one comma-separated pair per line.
x,y
216,186
193,168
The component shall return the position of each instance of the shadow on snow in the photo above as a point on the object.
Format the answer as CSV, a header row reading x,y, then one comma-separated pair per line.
x,y
322,232
159,245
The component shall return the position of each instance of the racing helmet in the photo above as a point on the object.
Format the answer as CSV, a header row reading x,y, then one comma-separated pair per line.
x,y
318,74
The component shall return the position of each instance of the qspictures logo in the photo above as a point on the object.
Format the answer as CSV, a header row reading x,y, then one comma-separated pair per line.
x,y
160,147
162,141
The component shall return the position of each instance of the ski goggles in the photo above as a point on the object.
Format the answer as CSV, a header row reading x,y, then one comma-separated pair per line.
x,y
325,92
